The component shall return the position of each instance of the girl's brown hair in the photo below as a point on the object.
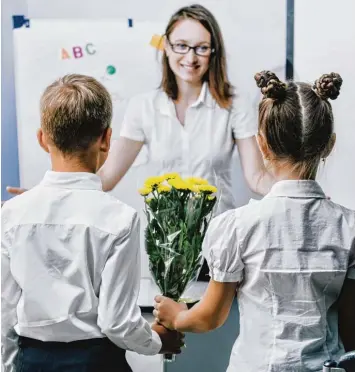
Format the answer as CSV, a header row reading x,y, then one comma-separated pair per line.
x,y
216,76
296,119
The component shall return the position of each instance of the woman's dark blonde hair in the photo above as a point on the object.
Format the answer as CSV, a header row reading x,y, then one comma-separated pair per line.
x,y
296,119
216,75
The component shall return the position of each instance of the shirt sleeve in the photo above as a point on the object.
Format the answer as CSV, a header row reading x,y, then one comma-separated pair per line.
x,y
10,295
221,248
243,119
119,315
132,125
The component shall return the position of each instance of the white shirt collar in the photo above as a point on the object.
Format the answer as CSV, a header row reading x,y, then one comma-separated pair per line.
x,y
205,96
165,105
72,180
297,189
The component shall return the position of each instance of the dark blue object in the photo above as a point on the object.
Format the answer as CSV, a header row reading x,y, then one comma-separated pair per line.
x,y
290,30
77,356
19,21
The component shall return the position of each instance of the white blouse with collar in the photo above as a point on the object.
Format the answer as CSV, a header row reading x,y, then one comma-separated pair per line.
x,y
202,147
291,251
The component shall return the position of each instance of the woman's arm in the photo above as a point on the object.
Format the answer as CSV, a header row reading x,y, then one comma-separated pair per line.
x,y
258,178
347,314
122,155
210,313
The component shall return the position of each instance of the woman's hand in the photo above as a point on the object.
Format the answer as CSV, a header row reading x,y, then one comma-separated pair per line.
x,y
15,190
166,311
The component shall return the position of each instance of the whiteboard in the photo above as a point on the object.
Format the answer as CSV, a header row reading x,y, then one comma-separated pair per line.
x,y
253,43
51,49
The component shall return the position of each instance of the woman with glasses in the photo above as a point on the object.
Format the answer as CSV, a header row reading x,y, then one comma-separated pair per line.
x,y
193,121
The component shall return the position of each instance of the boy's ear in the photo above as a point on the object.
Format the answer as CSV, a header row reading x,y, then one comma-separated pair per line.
x,y
106,140
42,140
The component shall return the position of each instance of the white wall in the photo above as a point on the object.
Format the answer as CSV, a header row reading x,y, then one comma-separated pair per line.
x,y
324,43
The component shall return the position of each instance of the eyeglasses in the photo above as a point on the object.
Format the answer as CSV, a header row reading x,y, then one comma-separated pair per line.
x,y
199,50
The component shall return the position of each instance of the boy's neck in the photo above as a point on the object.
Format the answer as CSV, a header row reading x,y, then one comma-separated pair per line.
x,y
62,163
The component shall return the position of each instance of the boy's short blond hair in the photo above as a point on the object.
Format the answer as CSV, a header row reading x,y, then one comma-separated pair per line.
x,y
75,111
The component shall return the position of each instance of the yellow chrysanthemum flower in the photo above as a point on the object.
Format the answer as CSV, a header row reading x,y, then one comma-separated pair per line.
x,y
154,181
144,191
179,184
196,181
207,188
171,176
193,187
163,188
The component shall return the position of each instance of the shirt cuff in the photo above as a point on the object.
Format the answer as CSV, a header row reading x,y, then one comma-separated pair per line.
x,y
246,135
225,277
156,343
132,136
351,273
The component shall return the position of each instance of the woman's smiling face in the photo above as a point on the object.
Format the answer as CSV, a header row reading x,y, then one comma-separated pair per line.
x,y
189,67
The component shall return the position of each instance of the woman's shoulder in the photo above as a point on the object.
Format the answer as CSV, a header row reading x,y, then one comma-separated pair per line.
x,y
243,116
145,97
242,101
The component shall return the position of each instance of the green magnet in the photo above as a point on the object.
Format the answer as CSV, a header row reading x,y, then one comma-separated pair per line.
x,y
110,69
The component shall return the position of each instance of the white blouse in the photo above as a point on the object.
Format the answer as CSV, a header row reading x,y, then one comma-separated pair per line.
x,y
202,147
291,251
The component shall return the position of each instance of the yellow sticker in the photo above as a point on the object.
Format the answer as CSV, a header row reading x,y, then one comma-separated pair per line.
x,y
157,42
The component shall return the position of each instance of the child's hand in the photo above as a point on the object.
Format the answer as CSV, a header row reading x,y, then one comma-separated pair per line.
x,y
166,311
172,341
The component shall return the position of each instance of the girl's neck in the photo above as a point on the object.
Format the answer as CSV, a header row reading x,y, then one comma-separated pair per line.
x,y
187,93
282,172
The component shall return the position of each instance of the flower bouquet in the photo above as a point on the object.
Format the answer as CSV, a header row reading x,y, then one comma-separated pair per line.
x,y
178,213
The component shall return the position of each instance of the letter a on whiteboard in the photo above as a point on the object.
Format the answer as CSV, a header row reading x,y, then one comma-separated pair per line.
x,y
65,54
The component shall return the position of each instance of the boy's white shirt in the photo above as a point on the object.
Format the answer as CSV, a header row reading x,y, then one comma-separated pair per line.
x,y
71,267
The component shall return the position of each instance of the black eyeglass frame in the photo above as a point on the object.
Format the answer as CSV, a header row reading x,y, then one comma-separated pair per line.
x,y
193,48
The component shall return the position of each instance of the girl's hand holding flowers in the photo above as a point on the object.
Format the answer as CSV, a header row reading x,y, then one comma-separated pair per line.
x,y
166,311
